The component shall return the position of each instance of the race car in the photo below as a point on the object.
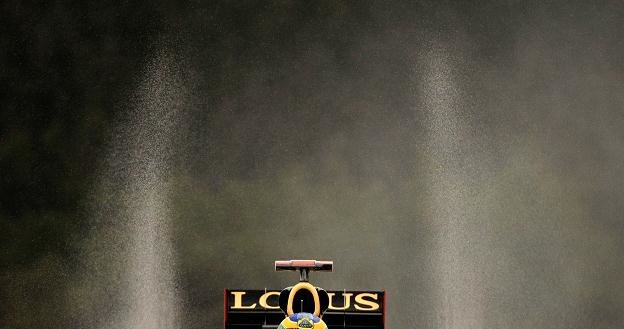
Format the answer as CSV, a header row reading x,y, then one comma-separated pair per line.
x,y
303,306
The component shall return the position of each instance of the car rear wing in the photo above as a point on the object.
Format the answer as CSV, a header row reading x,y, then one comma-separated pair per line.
x,y
259,309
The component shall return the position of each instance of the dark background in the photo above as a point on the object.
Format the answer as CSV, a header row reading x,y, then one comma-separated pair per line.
x,y
305,129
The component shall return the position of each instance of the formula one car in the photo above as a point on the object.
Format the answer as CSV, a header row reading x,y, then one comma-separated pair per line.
x,y
303,306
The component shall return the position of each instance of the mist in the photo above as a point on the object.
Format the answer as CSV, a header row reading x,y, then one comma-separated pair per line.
x,y
465,158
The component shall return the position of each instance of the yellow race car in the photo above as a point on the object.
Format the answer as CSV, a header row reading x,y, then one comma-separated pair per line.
x,y
303,305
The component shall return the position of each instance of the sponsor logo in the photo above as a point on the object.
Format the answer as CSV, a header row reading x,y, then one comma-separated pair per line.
x,y
343,301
